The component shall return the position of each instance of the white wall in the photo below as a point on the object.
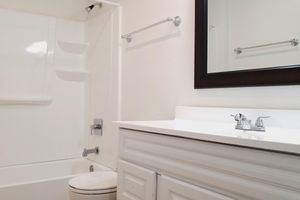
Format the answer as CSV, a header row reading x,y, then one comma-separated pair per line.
x,y
158,68
29,56
102,32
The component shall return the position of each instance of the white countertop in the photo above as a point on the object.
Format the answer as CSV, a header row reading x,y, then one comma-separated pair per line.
x,y
275,139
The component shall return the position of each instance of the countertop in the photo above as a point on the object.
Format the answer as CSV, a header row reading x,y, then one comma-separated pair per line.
x,y
274,139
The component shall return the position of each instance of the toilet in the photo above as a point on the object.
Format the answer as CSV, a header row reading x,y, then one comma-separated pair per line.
x,y
94,186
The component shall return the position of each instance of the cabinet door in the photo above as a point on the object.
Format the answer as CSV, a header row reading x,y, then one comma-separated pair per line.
x,y
135,183
172,189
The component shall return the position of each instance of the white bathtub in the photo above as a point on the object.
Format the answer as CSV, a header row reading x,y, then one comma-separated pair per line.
x,y
43,181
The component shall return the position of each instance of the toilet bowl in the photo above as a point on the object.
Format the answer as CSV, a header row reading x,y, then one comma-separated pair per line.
x,y
94,186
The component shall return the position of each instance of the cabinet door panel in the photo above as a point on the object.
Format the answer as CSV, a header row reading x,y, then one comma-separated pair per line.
x,y
242,172
172,189
135,183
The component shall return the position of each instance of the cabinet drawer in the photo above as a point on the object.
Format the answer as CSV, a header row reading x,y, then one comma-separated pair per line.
x,y
245,172
172,189
135,183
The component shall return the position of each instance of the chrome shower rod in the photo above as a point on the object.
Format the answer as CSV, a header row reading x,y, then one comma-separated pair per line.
x,y
108,2
176,21
293,42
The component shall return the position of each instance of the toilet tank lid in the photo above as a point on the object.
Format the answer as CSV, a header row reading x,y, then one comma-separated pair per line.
x,y
95,181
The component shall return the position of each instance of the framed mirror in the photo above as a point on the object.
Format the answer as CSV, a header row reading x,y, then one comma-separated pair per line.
x,y
241,43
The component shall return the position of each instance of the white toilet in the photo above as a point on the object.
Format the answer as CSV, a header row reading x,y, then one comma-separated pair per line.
x,y
94,186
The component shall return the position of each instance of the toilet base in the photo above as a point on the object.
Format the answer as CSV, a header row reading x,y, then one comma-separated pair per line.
x,y
108,196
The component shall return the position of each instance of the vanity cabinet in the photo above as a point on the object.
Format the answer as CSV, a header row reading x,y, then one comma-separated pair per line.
x,y
172,189
139,183
136,182
161,167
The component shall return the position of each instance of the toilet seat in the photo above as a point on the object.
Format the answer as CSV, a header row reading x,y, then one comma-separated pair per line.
x,y
94,183
93,192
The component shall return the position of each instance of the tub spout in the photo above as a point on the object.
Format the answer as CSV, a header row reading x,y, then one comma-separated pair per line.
x,y
86,152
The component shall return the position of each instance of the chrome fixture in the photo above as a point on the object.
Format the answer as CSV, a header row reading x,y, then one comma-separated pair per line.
x,y
259,124
246,125
242,122
91,7
176,21
108,2
86,152
91,168
97,127
293,42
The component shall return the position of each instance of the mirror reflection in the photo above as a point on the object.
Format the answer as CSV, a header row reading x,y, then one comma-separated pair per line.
x,y
253,34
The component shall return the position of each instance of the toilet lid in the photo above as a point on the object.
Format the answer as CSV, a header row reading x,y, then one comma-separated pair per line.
x,y
95,181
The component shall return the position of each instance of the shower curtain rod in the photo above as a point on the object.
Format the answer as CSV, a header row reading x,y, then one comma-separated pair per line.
x,y
108,2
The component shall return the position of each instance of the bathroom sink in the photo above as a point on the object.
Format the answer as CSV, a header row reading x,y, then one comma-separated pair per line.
x,y
284,137
277,139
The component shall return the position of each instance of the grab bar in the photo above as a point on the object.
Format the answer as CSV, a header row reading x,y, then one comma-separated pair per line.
x,y
293,42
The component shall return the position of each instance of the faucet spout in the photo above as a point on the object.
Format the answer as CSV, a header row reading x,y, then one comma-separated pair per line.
x,y
86,152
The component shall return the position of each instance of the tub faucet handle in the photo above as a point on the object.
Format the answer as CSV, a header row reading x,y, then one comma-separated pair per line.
x,y
97,127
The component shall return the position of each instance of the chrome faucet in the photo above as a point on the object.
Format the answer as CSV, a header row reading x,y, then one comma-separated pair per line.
x,y
86,152
246,125
259,124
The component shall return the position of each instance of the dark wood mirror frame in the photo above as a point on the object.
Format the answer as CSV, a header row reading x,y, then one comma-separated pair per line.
x,y
281,75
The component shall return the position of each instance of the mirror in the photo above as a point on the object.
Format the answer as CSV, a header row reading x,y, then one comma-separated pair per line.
x,y
247,43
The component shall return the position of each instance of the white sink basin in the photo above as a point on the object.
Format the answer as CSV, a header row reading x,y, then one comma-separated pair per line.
x,y
199,123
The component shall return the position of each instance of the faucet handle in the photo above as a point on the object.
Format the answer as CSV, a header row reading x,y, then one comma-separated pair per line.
x,y
238,117
259,122
97,127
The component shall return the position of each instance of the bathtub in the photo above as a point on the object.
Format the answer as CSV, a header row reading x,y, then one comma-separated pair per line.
x,y
43,181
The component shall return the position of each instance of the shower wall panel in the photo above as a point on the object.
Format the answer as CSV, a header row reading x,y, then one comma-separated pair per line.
x,y
29,57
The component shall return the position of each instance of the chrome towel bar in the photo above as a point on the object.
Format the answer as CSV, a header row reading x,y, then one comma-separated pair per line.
x,y
293,42
176,21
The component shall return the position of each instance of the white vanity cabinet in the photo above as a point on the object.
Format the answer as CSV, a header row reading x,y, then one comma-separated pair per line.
x,y
172,189
139,183
136,182
153,166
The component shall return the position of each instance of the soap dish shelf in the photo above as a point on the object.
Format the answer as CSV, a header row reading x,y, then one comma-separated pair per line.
x,y
72,75
73,47
25,100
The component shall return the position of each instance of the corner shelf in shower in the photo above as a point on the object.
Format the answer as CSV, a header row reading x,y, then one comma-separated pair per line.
x,y
25,100
72,75
73,47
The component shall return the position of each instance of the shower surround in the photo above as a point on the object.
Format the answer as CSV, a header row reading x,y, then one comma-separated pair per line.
x,y
56,75
29,58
